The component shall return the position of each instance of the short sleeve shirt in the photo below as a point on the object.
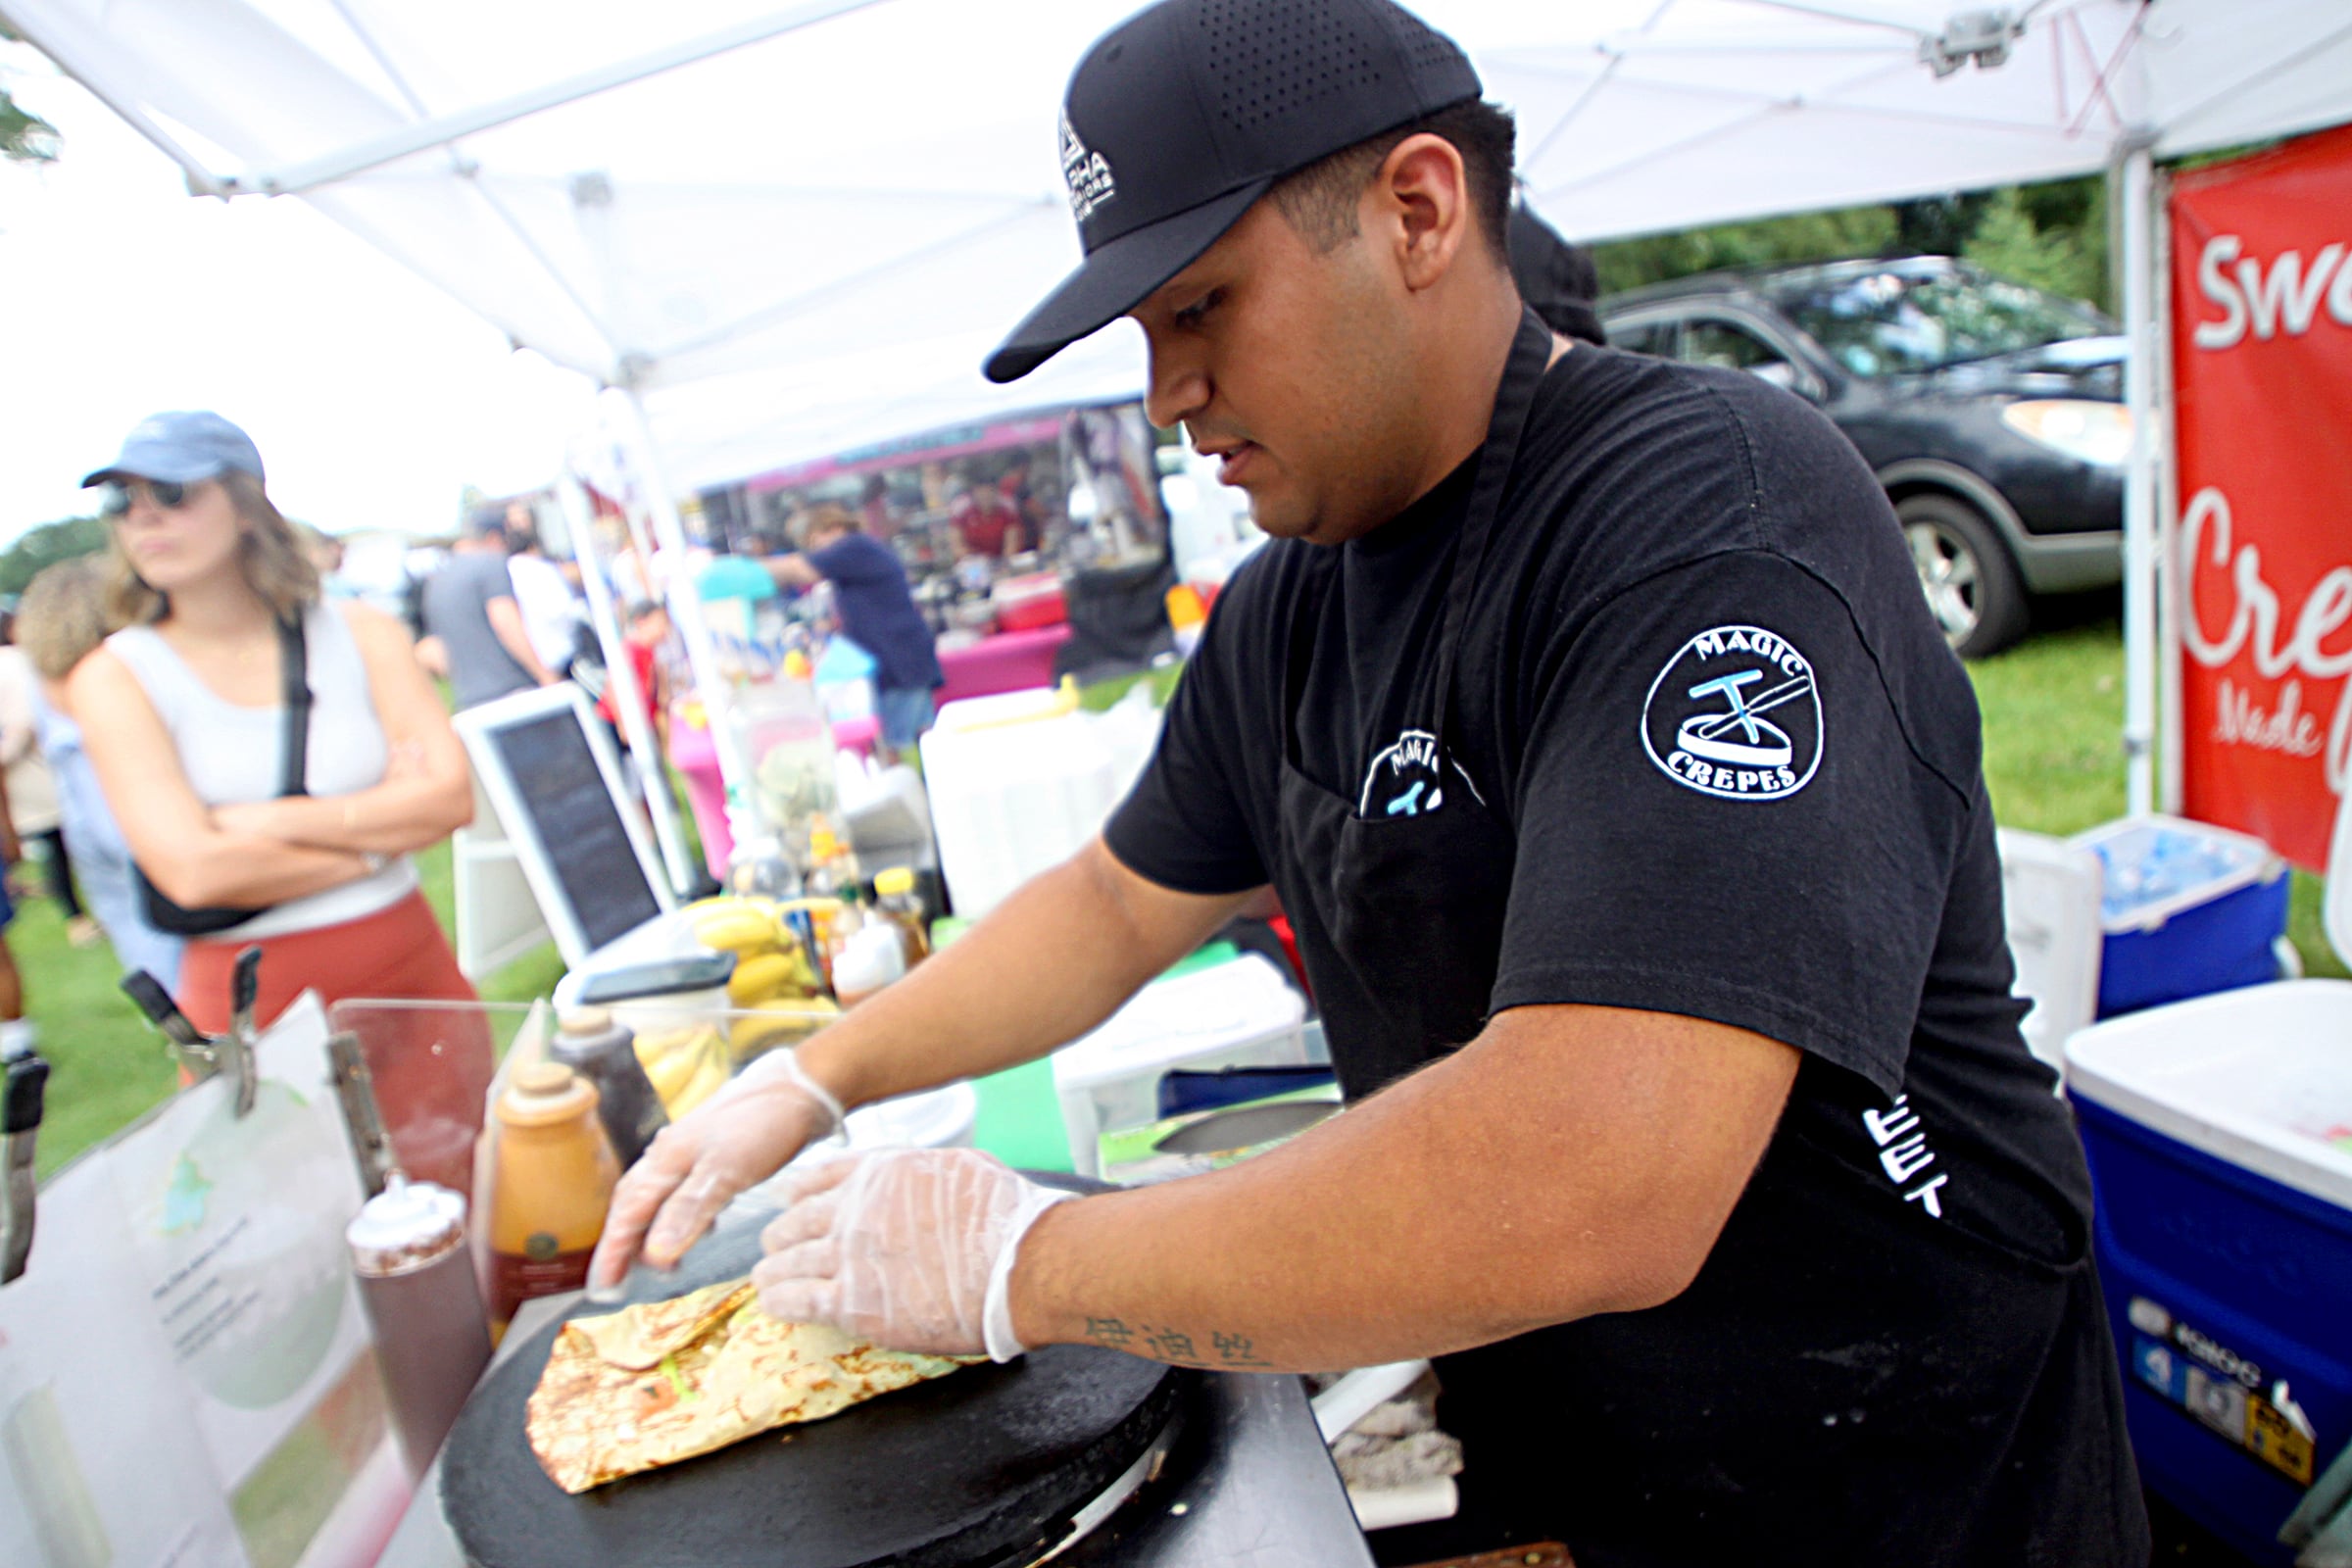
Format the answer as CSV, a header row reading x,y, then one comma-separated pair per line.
x,y
877,611
1740,770
457,609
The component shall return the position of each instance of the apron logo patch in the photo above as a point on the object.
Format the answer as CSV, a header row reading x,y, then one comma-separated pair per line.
x,y
1734,714
1409,779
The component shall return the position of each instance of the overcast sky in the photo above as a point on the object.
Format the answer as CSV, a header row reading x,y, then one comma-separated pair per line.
x,y
374,397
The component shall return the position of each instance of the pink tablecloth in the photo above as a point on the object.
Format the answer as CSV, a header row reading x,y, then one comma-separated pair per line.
x,y
695,756
1009,661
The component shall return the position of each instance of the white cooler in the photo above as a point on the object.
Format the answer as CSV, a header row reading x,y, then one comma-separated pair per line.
x,y
2218,1133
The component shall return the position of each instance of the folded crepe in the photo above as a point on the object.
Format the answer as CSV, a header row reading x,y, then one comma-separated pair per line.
x,y
663,1381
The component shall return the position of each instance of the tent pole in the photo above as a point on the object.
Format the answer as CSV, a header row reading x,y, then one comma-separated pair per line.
x,y
2171,741
629,703
686,609
2139,485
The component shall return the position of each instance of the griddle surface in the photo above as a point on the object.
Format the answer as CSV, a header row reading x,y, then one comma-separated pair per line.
x,y
971,1470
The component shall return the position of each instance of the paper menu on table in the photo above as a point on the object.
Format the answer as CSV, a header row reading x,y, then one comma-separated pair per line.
x,y
190,1310
101,1461
237,1226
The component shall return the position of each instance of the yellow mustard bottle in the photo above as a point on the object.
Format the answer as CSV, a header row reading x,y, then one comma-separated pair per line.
x,y
552,1182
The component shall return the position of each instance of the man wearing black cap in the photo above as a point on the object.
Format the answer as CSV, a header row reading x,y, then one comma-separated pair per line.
x,y
1628,805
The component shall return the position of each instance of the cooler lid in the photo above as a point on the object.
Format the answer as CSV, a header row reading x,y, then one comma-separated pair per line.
x,y
2335,905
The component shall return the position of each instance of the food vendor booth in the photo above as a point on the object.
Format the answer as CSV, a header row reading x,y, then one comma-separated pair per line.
x,y
545,170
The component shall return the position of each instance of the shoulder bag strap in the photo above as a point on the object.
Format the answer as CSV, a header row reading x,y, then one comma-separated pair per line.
x,y
294,665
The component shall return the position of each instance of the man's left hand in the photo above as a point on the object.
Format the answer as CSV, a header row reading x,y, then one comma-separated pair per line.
x,y
911,1250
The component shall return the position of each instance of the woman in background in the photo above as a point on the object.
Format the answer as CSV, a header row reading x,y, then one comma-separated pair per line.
x,y
32,782
183,719
60,620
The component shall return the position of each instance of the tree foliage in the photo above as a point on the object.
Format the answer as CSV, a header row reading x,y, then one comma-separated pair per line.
x,y
2051,235
46,546
25,136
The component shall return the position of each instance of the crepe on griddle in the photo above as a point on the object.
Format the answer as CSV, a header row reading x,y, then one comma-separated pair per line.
x,y
663,1381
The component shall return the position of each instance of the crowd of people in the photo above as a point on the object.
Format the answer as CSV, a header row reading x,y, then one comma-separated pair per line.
x,y
212,742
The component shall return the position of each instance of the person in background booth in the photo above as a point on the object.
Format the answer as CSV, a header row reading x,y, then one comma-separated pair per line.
x,y
61,620
878,613
32,784
475,636
182,714
986,524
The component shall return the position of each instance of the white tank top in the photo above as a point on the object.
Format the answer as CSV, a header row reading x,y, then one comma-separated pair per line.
x,y
231,754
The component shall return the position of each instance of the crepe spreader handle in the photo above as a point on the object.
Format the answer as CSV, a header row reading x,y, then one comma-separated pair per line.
x,y
24,1083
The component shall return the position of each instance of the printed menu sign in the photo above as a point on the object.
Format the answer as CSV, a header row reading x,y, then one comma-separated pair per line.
x,y
185,1376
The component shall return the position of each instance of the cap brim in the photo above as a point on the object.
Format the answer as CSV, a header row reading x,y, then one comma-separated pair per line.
x,y
156,468
1116,278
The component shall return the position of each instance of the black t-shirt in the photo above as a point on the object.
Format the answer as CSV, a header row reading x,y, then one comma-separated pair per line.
x,y
1742,771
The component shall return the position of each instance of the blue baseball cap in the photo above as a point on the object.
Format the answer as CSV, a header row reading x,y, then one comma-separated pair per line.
x,y
182,448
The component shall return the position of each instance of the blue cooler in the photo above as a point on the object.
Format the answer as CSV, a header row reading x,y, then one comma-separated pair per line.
x,y
2219,1137
2186,909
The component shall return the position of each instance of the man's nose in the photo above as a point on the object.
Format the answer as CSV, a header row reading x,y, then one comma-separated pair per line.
x,y
1176,387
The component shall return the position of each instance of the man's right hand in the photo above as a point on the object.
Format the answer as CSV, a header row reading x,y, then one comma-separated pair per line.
x,y
735,1139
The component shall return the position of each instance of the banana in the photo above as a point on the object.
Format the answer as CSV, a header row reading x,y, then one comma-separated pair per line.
x,y
741,928
768,1024
708,1079
660,1043
760,978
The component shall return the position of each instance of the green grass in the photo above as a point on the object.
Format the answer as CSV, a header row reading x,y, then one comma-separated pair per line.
x,y
2053,751
2053,762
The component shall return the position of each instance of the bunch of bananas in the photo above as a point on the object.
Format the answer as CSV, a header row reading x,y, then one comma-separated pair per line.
x,y
775,981
686,1067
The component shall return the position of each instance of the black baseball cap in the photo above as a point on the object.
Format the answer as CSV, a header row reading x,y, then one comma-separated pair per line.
x,y
1186,113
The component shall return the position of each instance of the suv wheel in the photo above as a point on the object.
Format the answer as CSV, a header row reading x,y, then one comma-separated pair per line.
x,y
1965,572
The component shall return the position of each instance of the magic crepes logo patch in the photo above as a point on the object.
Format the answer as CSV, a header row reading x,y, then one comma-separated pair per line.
x,y
1735,714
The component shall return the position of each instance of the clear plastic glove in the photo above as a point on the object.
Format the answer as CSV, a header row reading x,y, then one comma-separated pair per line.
x,y
736,1139
910,1248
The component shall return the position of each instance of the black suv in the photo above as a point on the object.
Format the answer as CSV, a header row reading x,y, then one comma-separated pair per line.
x,y
1992,412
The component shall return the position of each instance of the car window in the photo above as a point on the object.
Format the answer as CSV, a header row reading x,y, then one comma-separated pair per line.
x,y
1908,318
1735,348
1643,337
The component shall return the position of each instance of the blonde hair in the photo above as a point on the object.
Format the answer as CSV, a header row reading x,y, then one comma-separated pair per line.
x,y
63,616
268,552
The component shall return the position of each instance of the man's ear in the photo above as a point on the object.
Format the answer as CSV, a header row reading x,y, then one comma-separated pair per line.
x,y
1421,204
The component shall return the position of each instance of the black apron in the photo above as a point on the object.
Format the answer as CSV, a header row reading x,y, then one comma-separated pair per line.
x,y
1400,919
1837,1379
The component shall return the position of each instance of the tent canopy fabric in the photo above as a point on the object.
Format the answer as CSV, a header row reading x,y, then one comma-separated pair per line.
x,y
795,227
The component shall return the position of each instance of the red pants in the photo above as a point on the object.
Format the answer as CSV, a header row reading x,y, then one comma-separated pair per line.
x,y
432,1065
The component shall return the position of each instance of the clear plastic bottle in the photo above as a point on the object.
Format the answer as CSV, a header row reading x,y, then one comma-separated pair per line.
x,y
758,867
872,957
895,902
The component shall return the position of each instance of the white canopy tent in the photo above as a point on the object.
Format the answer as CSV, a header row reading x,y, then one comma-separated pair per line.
x,y
781,230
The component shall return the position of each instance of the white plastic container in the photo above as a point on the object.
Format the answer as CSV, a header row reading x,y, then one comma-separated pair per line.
x,y
2050,894
936,1118
1238,1014
874,956
1011,800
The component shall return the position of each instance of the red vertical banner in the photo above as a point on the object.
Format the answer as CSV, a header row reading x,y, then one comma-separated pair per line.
x,y
2261,362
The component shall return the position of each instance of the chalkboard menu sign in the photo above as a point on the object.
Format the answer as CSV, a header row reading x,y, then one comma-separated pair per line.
x,y
558,792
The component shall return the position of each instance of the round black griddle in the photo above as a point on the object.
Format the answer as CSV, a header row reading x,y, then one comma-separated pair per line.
x,y
981,1468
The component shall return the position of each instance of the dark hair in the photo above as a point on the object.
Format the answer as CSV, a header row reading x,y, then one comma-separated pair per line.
x,y
1320,200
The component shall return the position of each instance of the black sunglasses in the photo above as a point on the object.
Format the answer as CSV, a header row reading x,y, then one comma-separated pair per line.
x,y
113,501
